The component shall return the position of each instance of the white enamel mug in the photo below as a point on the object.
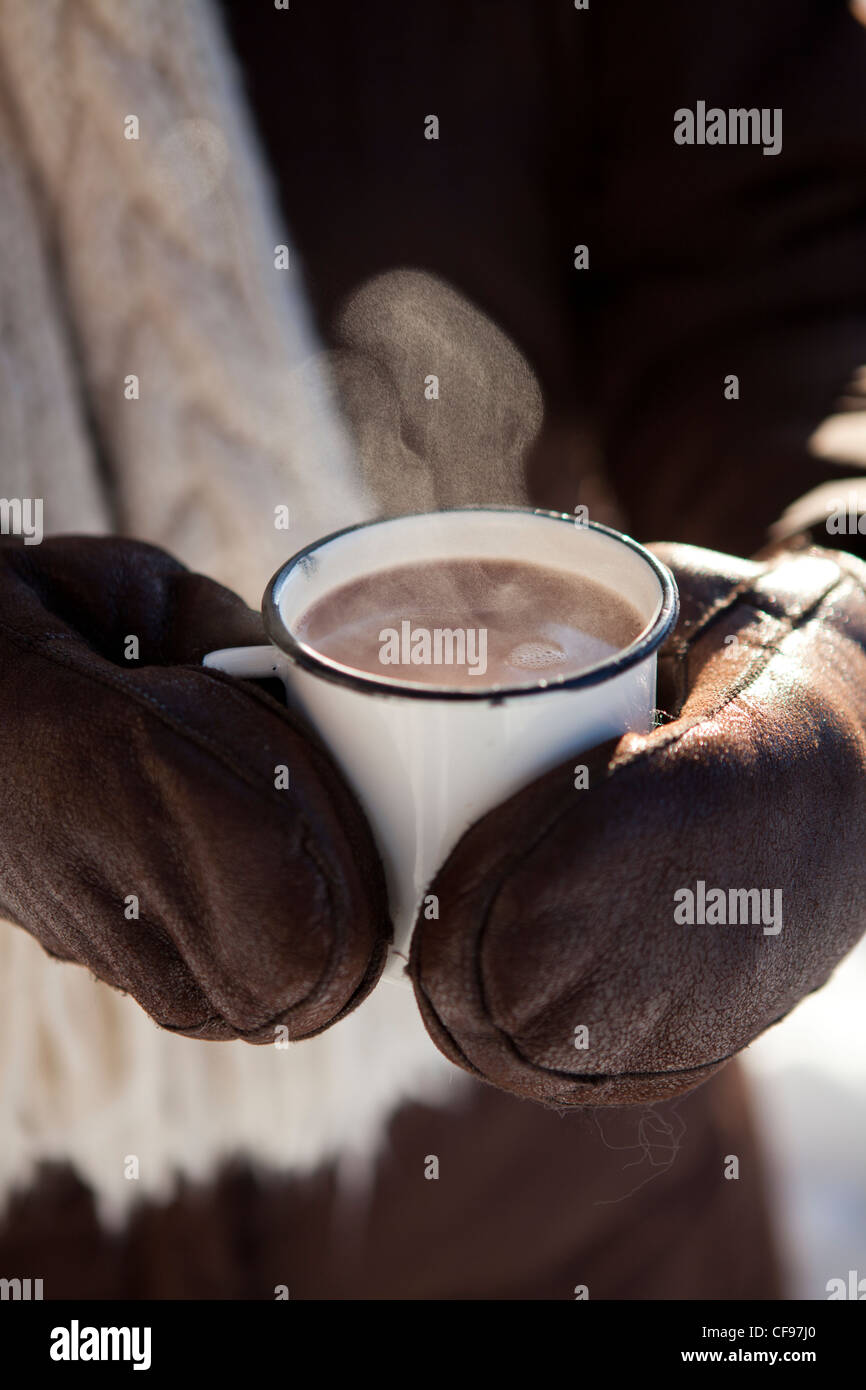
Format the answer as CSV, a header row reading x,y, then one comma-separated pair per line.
x,y
427,761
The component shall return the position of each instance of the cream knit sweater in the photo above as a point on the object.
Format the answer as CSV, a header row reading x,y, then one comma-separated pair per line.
x,y
155,258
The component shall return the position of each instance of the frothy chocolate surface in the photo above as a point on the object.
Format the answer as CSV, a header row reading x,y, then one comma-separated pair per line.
x,y
470,624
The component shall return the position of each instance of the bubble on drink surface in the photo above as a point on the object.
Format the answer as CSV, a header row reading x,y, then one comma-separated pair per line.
x,y
540,655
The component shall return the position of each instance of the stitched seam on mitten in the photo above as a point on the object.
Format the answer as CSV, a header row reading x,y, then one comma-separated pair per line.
x,y
682,647
765,653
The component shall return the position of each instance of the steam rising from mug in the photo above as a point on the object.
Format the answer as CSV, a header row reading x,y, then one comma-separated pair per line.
x,y
335,437
442,406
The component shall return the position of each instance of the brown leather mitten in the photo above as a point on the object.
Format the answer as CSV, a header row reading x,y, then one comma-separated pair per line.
x,y
566,910
153,780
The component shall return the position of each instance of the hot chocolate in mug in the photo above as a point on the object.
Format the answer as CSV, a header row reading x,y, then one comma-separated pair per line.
x,y
427,760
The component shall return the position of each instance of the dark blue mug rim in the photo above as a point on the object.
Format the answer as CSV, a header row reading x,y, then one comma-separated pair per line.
x,y
365,682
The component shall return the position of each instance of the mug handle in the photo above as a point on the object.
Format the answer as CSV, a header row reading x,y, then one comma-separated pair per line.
x,y
248,663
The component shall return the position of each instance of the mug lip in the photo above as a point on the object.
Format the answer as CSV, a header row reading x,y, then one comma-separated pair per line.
x,y
306,657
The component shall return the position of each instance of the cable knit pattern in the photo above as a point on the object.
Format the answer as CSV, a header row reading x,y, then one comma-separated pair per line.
x,y
45,450
156,257
165,248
